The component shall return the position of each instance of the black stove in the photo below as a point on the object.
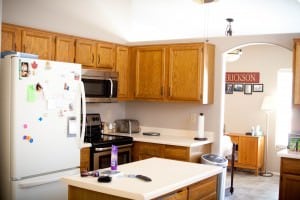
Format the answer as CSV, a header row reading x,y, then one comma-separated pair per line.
x,y
94,136
106,140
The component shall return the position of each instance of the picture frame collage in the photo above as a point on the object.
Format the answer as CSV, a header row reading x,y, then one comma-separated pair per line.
x,y
247,88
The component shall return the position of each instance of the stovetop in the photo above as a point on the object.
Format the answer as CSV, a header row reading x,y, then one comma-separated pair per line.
x,y
94,136
106,140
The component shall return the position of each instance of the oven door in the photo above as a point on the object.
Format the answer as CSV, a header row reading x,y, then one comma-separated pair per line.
x,y
102,158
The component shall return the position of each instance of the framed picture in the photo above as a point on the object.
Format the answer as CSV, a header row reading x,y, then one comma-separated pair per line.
x,y
238,87
229,88
258,88
248,89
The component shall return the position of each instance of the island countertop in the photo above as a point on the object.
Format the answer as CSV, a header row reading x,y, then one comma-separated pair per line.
x,y
167,176
177,137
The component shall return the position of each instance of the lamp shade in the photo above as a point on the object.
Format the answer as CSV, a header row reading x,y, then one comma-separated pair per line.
x,y
268,103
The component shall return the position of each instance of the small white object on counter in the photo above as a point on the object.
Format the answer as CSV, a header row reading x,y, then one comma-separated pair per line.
x,y
288,154
200,132
166,175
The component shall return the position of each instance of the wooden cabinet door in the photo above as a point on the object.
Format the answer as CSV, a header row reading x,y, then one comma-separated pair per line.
x,y
289,187
85,159
248,151
122,66
38,42
106,54
296,65
150,73
86,53
11,38
185,72
65,49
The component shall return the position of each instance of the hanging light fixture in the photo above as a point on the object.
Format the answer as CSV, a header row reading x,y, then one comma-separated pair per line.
x,y
228,31
234,55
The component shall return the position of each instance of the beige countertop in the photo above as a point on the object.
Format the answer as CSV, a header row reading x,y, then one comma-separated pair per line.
x,y
288,154
167,176
178,137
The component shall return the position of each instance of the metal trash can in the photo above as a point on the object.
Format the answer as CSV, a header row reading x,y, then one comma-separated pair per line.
x,y
212,159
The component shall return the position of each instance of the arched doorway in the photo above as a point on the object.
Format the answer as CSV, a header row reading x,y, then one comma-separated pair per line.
x,y
242,110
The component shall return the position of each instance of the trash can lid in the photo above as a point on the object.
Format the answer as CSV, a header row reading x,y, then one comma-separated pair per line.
x,y
214,158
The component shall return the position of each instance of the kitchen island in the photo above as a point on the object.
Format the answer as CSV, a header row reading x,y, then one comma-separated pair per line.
x,y
170,179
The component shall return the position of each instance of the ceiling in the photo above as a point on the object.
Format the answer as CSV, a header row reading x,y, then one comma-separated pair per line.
x,y
130,21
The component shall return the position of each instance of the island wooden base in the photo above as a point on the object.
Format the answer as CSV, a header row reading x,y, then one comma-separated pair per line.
x,y
205,189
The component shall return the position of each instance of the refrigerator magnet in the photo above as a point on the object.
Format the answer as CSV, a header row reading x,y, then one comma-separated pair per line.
x,y
38,87
24,69
31,93
25,126
47,65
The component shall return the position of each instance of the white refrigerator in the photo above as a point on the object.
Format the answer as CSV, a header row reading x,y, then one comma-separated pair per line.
x,y
41,134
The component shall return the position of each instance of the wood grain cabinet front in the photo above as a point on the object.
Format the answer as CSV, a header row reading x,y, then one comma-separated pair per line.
x,y
65,49
289,185
150,70
296,72
85,53
250,153
38,42
11,38
143,150
106,54
181,72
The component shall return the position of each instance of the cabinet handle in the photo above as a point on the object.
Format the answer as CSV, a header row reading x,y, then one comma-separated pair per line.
x,y
162,91
98,60
15,45
169,91
24,48
92,58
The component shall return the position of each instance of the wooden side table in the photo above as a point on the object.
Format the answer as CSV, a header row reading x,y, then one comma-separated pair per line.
x,y
250,151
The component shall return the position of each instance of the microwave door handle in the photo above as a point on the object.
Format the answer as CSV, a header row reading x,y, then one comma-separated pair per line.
x,y
111,87
81,139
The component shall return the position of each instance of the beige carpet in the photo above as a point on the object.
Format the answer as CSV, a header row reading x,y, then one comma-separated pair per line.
x,y
247,186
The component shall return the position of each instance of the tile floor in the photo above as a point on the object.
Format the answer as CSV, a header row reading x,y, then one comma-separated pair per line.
x,y
247,186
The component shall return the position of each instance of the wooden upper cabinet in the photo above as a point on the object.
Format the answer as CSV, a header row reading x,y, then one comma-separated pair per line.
x,y
150,73
181,72
86,53
185,72
296,65
38,42
65,49
106,54
11,38
122,66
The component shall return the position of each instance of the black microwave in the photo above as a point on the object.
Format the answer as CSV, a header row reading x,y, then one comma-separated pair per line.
x,y
100,86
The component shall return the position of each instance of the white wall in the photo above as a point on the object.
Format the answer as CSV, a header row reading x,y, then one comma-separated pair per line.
x,y
243,111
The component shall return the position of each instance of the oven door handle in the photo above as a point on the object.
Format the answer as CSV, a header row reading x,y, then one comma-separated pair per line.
x,y
109,148
82,134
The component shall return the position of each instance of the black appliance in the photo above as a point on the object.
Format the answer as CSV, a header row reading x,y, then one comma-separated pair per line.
x,y
100,152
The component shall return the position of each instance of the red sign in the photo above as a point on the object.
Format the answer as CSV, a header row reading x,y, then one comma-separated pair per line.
x,y
242,77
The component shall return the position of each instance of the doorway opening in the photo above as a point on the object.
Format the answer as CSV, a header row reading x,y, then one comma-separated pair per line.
x,y
242,108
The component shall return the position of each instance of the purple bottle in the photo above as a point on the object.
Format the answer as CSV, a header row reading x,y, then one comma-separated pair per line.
x,y
114,158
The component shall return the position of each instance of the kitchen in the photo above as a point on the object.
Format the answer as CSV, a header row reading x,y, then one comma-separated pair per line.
x,y
147,112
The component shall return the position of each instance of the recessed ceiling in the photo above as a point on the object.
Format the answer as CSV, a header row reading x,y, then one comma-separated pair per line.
x,y
130,21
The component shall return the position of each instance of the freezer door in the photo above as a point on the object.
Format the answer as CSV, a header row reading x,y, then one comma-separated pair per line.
x,y
48,187
45,117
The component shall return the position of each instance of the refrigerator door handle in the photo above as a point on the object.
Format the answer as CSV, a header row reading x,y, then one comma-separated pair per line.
x,y
81,139
29,184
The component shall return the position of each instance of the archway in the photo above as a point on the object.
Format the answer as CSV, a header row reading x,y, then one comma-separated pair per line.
x,y
245,109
